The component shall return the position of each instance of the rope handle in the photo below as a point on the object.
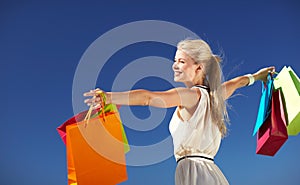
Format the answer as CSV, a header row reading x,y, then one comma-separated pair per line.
x,y
102,97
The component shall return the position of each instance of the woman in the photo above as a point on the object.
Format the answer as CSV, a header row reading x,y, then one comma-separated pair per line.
x,y
198,123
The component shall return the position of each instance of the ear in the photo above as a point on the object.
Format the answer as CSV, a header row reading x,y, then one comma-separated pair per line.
x,y
199,67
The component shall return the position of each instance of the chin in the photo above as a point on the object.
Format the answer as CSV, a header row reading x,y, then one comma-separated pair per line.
x,y
177,80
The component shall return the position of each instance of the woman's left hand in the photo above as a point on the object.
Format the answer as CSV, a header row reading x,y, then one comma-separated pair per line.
x,y
262,74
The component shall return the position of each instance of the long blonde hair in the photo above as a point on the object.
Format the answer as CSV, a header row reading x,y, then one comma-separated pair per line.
x,y
200,51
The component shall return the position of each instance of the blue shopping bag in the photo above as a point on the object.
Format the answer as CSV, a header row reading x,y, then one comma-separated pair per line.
x,y
265,103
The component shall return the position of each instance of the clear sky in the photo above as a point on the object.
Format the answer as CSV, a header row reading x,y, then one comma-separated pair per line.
x,y
42,43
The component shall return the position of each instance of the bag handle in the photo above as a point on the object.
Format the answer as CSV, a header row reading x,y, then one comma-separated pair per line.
x,y
102,97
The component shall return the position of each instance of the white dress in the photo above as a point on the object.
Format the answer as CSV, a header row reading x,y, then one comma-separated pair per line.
x,y
198,136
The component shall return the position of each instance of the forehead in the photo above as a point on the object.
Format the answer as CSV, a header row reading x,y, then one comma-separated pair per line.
x,y
181,54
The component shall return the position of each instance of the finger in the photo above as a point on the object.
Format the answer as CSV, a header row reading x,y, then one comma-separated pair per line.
x,y
96,90
97,106
92,100
88,101
98,99
92,92
93,107
89,94
271,69
92,103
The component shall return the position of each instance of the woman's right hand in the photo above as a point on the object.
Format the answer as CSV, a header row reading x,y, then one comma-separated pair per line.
x,y
97,99
262,74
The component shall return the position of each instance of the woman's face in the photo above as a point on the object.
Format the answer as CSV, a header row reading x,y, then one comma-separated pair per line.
x,y
184,67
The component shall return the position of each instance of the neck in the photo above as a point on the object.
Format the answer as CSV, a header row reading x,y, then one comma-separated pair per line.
x,y
190,84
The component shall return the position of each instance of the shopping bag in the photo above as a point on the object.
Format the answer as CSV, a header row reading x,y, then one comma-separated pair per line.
x,y
273,133
95,149
98,155
80,117
289,83
265,103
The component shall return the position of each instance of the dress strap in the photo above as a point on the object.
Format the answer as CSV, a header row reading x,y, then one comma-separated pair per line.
x,y
203,87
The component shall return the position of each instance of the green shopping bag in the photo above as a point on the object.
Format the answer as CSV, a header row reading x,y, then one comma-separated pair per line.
x,y
289,83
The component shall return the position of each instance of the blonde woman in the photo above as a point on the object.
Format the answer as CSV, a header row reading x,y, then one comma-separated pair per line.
x,y
199,121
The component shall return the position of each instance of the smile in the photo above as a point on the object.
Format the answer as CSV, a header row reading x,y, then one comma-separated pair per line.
x,y
176,73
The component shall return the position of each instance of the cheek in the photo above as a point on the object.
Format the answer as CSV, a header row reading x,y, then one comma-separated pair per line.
x,y
190,73
186,69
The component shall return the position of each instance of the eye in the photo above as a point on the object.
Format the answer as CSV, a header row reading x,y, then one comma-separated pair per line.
x,y
180,60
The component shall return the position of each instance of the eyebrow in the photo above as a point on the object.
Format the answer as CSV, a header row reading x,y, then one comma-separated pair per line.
x,y
179,59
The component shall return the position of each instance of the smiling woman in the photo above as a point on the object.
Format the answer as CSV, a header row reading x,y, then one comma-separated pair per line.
x,y
199,58
199,121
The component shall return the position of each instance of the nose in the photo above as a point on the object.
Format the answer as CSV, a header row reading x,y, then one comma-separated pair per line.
x,y
174,66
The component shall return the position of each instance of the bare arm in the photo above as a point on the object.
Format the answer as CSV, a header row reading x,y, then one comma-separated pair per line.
x,y
185,97
174,97
232,85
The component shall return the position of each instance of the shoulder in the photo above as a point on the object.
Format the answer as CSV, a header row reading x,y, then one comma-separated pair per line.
x,y
189,97
186,92
204,93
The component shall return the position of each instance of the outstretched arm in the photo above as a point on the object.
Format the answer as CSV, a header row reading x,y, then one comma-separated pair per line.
x,y
174,97
241,81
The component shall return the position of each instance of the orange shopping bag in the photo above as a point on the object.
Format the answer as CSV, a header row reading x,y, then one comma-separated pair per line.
x,y
95,151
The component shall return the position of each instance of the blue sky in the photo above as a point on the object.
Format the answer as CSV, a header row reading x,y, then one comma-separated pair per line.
x,y
41,45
